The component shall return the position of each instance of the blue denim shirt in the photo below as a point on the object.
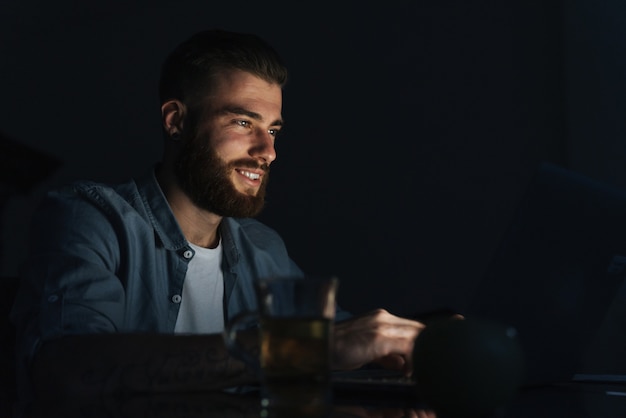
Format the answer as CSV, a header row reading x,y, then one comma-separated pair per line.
x,y
113,259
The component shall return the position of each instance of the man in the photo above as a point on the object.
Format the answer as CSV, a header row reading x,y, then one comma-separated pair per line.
x,y
129,286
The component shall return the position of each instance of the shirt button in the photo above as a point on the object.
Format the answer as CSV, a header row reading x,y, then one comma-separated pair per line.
x,y
53,298
188,254
176,298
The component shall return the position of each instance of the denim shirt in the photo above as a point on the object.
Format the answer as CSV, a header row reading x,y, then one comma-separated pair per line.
x,y
113,259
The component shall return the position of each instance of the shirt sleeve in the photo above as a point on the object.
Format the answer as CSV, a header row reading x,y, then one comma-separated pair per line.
x,y
68,284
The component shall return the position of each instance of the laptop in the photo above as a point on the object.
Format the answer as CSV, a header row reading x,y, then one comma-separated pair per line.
x,y
375,387
557,270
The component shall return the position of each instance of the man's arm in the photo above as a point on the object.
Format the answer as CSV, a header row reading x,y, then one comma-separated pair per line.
x,y
111,364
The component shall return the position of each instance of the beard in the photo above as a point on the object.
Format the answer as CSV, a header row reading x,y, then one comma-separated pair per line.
x,y
205,178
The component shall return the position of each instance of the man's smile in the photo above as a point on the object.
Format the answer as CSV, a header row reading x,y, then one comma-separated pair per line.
x,y
249,174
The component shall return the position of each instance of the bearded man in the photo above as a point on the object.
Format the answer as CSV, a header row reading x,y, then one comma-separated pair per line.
x,y
129,286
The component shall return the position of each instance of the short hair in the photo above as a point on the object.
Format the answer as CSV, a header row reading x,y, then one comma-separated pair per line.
x,y
186,74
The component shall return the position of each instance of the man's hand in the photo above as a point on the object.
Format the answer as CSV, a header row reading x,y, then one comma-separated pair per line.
x,y
376,337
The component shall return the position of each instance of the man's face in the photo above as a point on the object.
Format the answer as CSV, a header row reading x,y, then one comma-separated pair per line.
x,y
228,146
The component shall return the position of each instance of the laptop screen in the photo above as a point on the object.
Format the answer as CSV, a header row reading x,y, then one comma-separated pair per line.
x,y
557,270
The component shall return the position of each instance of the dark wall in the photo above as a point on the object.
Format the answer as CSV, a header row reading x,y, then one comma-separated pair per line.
x,y
412,128
423,136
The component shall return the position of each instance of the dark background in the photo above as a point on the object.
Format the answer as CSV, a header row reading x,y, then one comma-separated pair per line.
x,y
412,127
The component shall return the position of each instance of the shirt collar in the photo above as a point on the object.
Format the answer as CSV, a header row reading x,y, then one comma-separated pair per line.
x,y
160,213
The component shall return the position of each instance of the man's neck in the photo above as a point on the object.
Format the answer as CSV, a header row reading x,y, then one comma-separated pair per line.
x,y
200,227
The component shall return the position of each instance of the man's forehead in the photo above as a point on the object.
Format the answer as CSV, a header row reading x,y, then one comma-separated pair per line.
x,y
241,93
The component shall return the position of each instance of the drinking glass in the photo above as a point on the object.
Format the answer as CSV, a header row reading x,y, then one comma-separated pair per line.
x,y
295,317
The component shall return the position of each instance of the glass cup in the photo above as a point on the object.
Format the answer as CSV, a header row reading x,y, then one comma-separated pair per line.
x,y
295,317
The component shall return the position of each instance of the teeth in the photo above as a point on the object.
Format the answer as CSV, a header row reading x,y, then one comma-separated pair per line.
x,y
251,176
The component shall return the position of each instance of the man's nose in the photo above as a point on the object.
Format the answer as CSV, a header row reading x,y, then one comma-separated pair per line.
x,y
264,147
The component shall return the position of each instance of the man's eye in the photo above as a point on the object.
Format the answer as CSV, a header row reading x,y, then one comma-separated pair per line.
x,y
243,123
273,132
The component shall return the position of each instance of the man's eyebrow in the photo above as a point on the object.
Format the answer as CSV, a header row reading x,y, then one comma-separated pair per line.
x,y
242,111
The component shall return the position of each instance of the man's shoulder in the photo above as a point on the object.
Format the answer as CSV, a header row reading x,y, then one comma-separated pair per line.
x,y
86,198
80,190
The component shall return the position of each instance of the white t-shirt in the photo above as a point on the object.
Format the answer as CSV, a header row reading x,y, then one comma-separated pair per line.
x,y
201,307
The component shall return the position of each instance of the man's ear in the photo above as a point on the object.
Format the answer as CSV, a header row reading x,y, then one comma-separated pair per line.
x,y
173,114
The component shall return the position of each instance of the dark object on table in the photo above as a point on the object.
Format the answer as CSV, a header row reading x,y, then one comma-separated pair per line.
x,y
467,368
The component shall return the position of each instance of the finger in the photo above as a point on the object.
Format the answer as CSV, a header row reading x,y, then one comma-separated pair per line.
x,y
397,362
